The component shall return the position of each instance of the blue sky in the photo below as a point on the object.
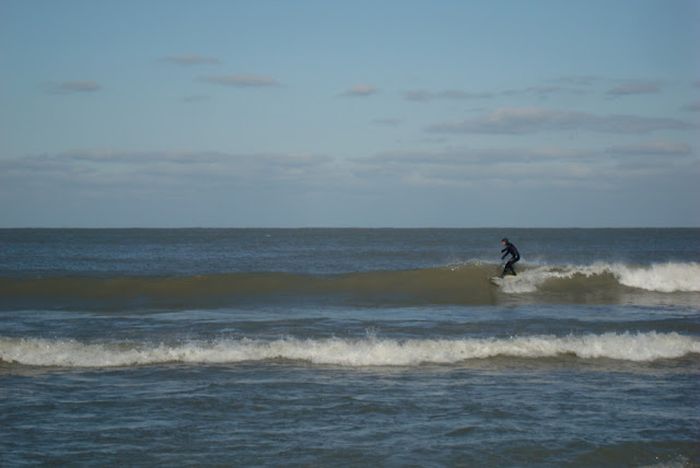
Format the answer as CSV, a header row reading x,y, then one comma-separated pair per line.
x,y
311,113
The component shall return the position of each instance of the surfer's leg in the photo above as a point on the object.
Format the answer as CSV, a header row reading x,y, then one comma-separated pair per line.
x,y
509,268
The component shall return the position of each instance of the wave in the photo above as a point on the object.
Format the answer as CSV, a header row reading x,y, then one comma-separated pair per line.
x,y
660,277
469,283
370,351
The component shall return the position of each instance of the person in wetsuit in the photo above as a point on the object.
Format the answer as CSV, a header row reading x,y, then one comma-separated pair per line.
x,y
511,250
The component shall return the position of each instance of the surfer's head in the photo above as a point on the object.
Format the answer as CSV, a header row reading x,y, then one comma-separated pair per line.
x,y
504,240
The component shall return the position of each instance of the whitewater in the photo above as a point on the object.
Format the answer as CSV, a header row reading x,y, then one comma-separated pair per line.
x,y
638,347
658,277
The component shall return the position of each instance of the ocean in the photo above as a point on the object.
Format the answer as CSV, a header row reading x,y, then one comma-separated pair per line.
x,y
349,347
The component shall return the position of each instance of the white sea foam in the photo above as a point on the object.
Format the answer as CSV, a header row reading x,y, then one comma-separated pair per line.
x,y
663,277
370,351
659,277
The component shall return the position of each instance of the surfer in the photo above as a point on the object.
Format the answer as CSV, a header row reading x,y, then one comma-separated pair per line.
x,y
511,250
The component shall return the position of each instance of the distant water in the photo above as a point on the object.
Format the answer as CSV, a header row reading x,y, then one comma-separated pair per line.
x,y
349,347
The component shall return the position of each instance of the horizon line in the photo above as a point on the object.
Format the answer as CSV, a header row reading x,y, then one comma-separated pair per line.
x,y
331,227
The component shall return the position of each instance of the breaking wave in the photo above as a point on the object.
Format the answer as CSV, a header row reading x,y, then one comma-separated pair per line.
x,y
469,283
660,277
370,351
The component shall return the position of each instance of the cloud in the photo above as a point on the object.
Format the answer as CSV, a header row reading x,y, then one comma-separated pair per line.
x,y
481,156
692,107
173,172
191,59
540,91
360,90
652,148
527,166
130,168
204,187
482,167
518,121
577,80
421,95
73,87
88,187
241,81
634,87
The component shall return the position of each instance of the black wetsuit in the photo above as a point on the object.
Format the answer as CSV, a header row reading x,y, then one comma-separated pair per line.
x,y
514,257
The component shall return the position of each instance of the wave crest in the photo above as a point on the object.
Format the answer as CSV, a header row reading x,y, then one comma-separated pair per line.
x,y
371,351
659,277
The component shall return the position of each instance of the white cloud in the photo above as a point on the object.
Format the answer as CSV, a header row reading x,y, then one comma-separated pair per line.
x,y
528,166
577,80
205,187
478,167
568,85
517,121
540,91
212,167
75,86
189,169
544,91
175,172
483,156
421,95
658,148
361,90
241,81
634,87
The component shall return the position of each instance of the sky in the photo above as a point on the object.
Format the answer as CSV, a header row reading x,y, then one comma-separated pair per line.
x,y
169,113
